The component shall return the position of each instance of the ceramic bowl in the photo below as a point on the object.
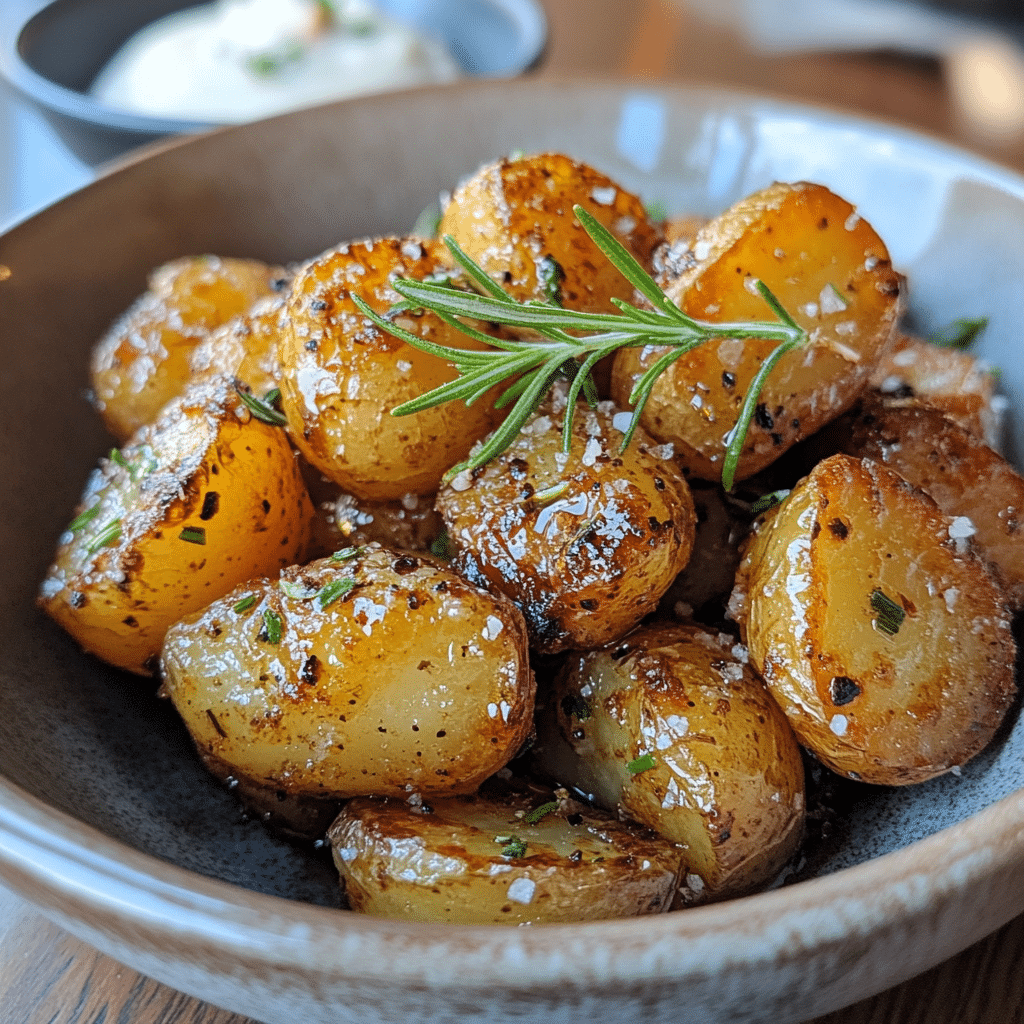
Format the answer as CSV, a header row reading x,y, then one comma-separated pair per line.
x,y
52,52
108,823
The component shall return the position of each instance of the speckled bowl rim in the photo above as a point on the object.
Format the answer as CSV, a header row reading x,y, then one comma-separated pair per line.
x,y
956,886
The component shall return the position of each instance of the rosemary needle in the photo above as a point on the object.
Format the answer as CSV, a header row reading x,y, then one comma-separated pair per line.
x,y
529,366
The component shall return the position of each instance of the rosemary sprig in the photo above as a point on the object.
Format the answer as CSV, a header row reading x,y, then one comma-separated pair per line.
x,y
551,352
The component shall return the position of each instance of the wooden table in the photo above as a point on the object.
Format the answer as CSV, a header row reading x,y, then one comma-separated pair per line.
x,y
48,977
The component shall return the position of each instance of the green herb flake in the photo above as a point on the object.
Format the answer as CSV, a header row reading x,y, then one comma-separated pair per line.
x,y
656,210
515,849
641,764
889,615
549,494
83,518
574,706
767,501
441,546
107,536
960,333
262,409
296,591
550,275
117,456
272,627
245,604
541,812
347,554
193,534
333,590
428,221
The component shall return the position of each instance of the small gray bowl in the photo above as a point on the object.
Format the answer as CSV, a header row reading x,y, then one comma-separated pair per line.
x,y
51,53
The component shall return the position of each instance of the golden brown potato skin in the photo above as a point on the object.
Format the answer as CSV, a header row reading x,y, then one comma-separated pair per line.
x,y
962,473
412,681
887,709
585,544
341,376
513,215
206,469
443,863
143,360
725,778
831,272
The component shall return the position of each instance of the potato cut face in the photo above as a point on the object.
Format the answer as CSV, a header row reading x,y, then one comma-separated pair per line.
x,y
829,270
341,376
586,542
144,359
514,218
372,673
877,627
499,860
671,728
962,473
195,504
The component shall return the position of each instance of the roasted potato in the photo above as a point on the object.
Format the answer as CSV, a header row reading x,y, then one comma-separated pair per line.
x,y
876,626
341,376
585,543
371,673
200,501
490,860
829,270
514,218
143,360
671,728
918,373
963,474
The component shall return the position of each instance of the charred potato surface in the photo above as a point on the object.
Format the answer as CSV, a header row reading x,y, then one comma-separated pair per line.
x,y
876,626
158,529
143,361
585,543
489,860
341,376
672,728
373,673
831,272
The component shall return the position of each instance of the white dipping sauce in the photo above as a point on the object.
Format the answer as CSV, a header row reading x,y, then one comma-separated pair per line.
x,y
238,60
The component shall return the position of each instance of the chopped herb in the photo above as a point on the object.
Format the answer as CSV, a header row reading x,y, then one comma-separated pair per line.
x,y
549,494
889,614
551,275
346,554
960,333
574,706
263,410
540,812
193,534
428,221
272,626
297,591
84,517
641,764
116,455
441,546
515,849
767,501
656,210
245,604
502,839
108,535
333,590
273,398
272,62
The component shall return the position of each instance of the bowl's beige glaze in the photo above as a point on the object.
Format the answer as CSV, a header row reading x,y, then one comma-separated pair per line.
x,y
106,821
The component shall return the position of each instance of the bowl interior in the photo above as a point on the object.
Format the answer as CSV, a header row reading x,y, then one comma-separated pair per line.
x,y
96,744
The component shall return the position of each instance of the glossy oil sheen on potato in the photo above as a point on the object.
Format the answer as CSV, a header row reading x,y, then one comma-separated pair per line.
x,y
884,705
584,542
143,361
341,376
378,673
672,729
195,504
829,270
453,861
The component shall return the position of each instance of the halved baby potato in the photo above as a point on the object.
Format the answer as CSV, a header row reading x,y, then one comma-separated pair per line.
x,y
584,542
828,269
143,360
672,729
876,625
373,672
200,501
499,860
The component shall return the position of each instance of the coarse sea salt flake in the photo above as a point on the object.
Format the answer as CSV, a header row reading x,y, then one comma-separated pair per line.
x,y
522,889
961,528
622,420
838,724
604,196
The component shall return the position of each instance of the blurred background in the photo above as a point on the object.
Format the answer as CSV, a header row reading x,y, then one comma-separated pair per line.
x,y
954,68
